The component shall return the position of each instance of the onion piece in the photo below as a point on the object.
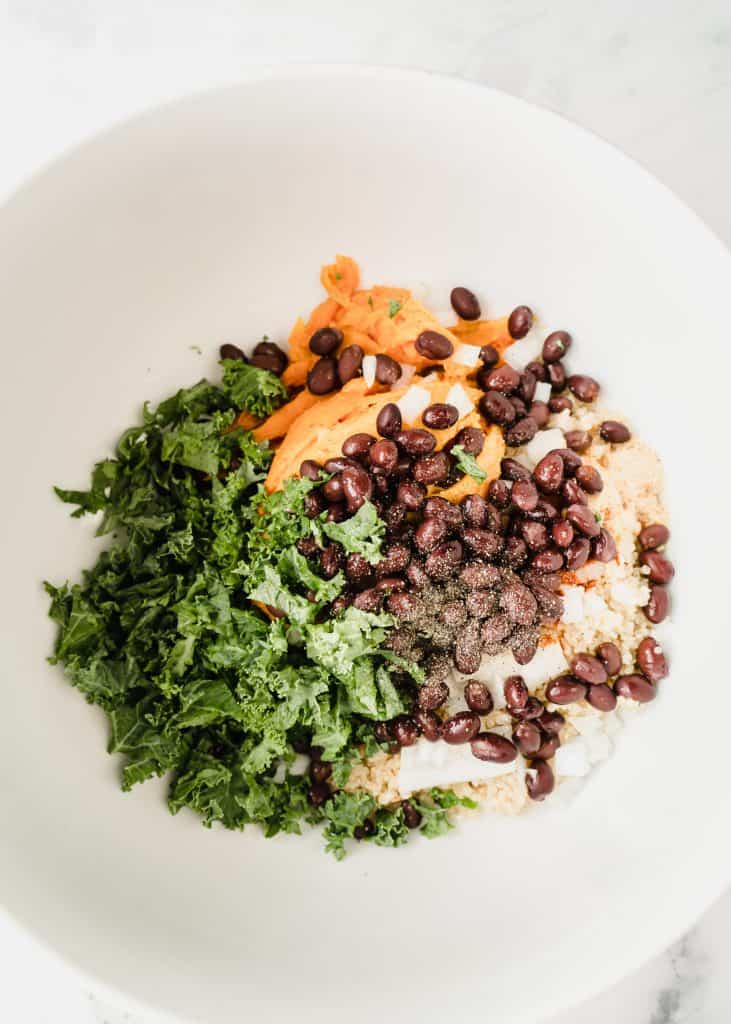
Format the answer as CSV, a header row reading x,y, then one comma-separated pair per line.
x,y
467,355
458,397
413,403
543,391
369,370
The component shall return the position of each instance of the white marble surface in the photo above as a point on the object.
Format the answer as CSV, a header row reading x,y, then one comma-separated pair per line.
x,y
652,76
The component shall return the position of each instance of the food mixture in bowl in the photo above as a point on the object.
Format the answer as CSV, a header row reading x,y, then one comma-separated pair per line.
x,y
407,567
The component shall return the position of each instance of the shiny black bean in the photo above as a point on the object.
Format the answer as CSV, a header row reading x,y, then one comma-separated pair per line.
x,y
411,494
557,379
472,439
562,533
357,568
478,697
318,793
516,552
521,409
390,585
551,722
578,440
384,456
653,536
582,518
483,542
573,493
499,493
614,432
585,388
518,603
232,352
388,371
550,560
350,363
333,488
476,575
503,379
433,345
336,512
525,495
658,606
323,377
571,461
560,403
432,469
496,628
432,694
439,508
601,697
268,356
356,446
589,669
635,687
320,771
549,472
556,346
540,413
661,568
651,660
531,709
465,304
515,692
497,408
489,356
565,690
475,511
548,748
310,469
439,416
461,728
325,341
527,738
539,780
577,553
308,547
404,730
331,561
511,469
429,724
523,431
609,655
491,746
444,560
388,422
416,441
535,535
590,479
357,487
605,548
402,605
520,322
416,575
412,817
481,603
395,559
429,533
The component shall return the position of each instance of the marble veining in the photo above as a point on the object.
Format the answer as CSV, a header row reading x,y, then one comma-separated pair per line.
x,y
652,77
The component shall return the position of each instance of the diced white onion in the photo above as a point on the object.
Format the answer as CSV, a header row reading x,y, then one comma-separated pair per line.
x,y
426,764
413,403
369,370
300,764
458,397
468,355
544,442
547,663
524,351
543,391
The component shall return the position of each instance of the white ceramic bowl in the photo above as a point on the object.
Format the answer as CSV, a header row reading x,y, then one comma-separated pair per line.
x,y
207,221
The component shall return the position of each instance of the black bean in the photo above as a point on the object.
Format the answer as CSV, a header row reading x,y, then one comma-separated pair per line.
x,y
661,568
350,363
388,371
395,559
550,560
511,469
614,432
573,493
432,469
525,495
416,442
440,416
461,728
571,461
323,377
518,603
465,304
557,380
412,817
560,403
439,508
333,488
232,352
357,568
609,655
527,738
491,746
590,479
521,409
357,487
605,548
268,356
601,697
434,345
478,697
497,408
565,690
549,472
635,687
521,432
562,533
444,560
320,771
384,456
481,603
658,606
416,575
427,371
402,605
429,533
577,553
540,413
454,613
499,493
475,511
503,379
476,575
325,341
556,346
589,669
472,439
429,724
578,440
539,785
551,722
308,547
331,560
548,748
550,604
582,518
496,628
483,542
403,466
390,585
535,535
432,695
530,710
336,512
515,692
523,649
489,356
520,322
539,371
516,552
404,730
527,386
388,422
356,446
651,660
411,494
365,830
310,469
653,536
585,388
318,793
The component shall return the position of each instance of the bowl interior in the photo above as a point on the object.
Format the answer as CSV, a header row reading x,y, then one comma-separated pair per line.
x,y
206,222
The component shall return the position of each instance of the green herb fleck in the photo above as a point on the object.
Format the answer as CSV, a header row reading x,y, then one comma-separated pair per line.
x,y
469,464
393,308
